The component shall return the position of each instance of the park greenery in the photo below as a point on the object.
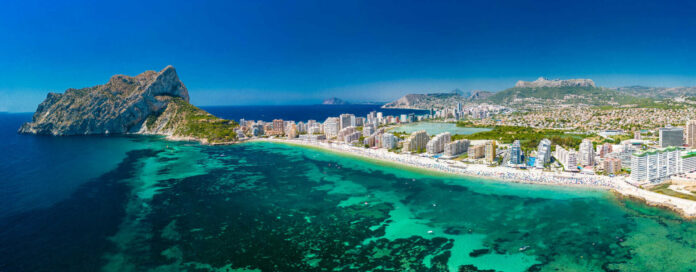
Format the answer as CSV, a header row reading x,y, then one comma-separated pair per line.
x,y
529,137
469,124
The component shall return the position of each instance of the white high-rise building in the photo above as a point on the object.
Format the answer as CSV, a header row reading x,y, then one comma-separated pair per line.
x,y
346,120
586,153
687,162
388,141
331,127
359,121
654,165
625,155
351,137
311,123
567,158
368,130
457,147
516,153
416,142
691,133
346,131
543,153
571,161
437,143
371,117
314,129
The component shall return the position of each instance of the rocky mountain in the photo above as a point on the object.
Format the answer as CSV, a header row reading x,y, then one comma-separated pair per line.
x,y
658,92
556,83
557,92
437,100
150,103
334,101
543,92
477,95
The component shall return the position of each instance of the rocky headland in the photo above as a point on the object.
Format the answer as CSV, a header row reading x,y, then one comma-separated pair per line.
x,y
334,101
155,103
437,100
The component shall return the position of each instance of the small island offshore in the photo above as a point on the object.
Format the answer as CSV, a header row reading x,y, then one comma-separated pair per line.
x,y
157,103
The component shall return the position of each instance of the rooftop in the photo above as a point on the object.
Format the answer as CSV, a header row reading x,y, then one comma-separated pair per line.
x,y
655,151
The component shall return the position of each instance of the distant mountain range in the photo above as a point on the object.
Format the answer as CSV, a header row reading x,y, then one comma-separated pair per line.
x,y
437,100
545,91
657,92
334,101
572,91
555,83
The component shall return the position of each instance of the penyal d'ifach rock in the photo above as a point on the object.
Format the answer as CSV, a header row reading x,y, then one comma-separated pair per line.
x,y
119,106
150,103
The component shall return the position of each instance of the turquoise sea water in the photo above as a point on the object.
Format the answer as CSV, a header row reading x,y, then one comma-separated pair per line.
x,y
172,206
433,128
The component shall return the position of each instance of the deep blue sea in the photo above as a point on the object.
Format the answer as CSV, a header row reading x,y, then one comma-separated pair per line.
x,y
140,203
300,112
38,171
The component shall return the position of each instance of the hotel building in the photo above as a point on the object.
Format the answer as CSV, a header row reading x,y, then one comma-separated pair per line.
x,y
543,153
654,165
416,142
455,148
437,143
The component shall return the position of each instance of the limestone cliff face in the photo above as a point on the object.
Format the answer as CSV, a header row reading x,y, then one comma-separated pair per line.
x,y
120,106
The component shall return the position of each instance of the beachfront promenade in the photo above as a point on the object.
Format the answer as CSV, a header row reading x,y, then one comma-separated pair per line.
x,y
536,176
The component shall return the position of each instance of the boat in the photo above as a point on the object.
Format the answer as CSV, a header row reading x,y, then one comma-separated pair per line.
x,y
524,248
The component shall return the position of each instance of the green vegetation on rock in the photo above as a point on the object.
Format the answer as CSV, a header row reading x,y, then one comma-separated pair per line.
x,y
190,121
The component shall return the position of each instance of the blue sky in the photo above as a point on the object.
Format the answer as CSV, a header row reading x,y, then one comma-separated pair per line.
x,y
299,52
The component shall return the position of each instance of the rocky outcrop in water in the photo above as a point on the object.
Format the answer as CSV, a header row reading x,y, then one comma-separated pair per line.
x,y
119,106
334,101
151,103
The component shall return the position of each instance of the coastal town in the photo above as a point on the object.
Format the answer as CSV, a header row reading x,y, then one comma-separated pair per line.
x,y
315,136
643,160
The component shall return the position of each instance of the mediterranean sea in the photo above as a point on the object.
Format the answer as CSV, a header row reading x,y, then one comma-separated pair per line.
x,y
301,112
139,203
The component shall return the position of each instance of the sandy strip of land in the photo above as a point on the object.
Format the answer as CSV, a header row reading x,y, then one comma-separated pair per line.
x,y
620,185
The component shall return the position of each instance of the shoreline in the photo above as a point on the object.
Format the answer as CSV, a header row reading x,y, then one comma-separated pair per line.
x,y
617,185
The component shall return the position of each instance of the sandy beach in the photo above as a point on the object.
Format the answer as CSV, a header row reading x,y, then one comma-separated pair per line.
x,y
618,185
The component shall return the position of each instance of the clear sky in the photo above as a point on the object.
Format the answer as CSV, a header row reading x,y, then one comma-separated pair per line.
x,y
300,52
